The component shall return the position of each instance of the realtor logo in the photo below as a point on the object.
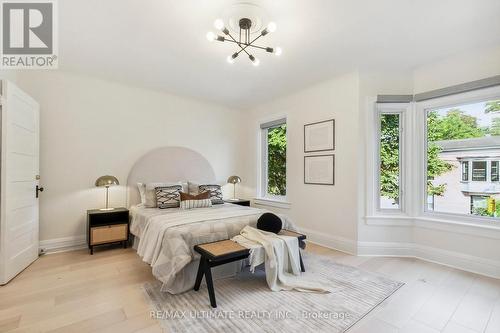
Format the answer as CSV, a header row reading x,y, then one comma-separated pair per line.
x,y
29,39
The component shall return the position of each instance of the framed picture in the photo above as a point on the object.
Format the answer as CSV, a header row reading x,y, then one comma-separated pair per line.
x,y
319,169
319,136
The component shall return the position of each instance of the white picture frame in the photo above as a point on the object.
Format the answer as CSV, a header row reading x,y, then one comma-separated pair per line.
x,y
319,169
319,136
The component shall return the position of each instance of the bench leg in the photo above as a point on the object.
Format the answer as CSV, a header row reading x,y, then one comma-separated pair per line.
x,y
210,284
302,268
199,275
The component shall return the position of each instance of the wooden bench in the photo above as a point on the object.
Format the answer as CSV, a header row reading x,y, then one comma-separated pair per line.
x,y
222,252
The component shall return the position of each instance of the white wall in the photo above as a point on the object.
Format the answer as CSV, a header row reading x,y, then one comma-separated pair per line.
x,y
468,247
92,127
327,213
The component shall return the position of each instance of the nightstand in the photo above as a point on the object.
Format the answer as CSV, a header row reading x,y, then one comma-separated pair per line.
x,y
241,202
107,226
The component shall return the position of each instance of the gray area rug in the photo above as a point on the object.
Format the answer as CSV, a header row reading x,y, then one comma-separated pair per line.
x,y
246,304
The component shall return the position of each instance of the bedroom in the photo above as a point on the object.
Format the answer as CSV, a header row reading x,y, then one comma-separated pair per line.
x,y
313,132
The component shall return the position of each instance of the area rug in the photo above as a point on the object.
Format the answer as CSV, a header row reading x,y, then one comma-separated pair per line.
x,y
246,304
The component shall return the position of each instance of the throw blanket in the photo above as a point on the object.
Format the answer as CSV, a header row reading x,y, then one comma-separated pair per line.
x,y
281,260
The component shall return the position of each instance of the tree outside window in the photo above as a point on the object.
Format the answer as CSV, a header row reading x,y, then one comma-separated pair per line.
x,y
276,160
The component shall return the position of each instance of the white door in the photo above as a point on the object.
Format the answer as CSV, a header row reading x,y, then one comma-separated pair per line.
x,y
19,180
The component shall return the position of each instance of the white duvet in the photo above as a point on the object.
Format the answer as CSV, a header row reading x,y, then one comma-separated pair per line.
x,y
167,237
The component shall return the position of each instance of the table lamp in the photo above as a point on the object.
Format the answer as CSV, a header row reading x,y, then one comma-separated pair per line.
x,y
106,181
234,180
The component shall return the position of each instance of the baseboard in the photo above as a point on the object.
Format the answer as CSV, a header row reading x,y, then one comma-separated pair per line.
x,y
333,242
452,259
63,244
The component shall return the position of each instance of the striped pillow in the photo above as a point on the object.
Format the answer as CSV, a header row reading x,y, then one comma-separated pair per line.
x,y
190,204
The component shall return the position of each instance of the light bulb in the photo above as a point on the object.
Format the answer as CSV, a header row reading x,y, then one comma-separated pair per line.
x,y
211,36
219,24
230,59
256,62
271,27
278,51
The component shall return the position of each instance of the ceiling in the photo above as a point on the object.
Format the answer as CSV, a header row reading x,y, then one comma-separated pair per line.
x,y
161,44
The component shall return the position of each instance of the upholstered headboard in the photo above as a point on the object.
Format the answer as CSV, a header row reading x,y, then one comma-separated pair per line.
x,y
167,164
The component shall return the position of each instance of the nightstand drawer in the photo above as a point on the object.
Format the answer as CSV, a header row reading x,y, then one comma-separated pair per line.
x,y
107,234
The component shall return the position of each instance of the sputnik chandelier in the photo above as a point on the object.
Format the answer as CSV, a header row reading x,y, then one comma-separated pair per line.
x,y
245,41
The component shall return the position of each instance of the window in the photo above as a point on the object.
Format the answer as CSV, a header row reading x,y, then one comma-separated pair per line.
x,y
463,146
478,205
479,171
494,171
274,144
465,171
390,160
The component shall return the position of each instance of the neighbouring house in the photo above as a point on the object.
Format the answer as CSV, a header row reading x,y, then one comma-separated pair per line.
x,y
473,179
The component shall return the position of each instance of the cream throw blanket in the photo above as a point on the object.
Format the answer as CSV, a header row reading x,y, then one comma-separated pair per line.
x,y
281,257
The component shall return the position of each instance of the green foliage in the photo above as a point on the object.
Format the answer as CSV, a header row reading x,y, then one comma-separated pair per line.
x,y
481,212
389,156
493,106
455,125
276,160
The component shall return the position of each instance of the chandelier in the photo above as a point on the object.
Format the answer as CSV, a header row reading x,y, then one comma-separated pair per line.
x,y
244,42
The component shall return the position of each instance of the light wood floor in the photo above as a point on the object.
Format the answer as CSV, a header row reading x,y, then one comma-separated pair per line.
x,y
75,292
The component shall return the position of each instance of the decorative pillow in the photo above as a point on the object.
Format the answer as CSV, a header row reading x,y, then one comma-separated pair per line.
x,y
168,196
199,203
142,192
215,193
193,188
150,194
269,222
187,196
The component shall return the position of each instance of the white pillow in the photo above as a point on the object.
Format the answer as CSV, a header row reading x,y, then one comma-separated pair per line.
x,y
150,195
142,192
193,188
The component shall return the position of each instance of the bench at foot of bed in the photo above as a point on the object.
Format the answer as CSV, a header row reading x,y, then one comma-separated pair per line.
x,y
226,251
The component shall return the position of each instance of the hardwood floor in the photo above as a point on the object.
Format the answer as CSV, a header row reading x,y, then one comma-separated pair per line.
x,y
75,292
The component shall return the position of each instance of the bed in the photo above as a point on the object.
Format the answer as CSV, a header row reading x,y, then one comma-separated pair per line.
x,y
165,238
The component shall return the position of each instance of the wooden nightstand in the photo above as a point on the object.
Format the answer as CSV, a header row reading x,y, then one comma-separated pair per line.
x,y
241,202
107,226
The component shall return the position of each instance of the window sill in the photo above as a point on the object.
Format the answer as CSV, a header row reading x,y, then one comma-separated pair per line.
x,y
446,224
398,220
450,220
272,203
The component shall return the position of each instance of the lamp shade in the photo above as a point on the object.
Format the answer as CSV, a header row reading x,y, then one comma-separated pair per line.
x,y
234,180
106,181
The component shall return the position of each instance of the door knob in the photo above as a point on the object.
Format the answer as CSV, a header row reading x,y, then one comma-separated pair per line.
x,y
38,189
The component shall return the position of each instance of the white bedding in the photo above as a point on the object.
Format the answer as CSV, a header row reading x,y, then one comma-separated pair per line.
x,y
167,237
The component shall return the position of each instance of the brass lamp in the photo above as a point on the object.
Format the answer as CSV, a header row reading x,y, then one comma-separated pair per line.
x,y
106,181
234,180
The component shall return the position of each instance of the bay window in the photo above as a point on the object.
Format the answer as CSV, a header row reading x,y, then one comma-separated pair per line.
x,y
452,147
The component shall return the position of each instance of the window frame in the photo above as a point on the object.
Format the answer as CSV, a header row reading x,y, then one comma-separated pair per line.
x,y
467,169
421,108
399,109
496,169
485,171
263,182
